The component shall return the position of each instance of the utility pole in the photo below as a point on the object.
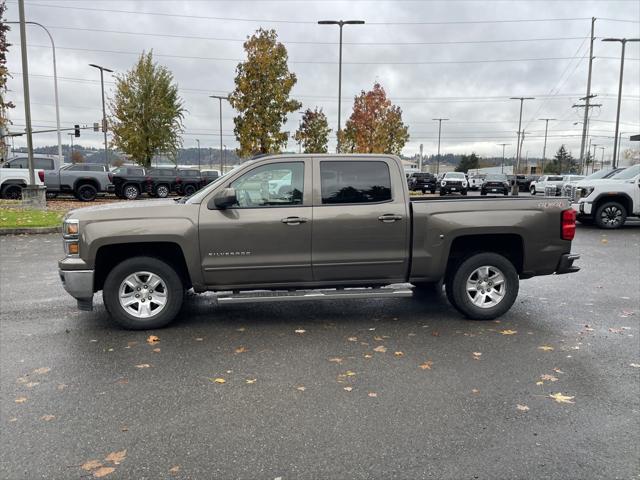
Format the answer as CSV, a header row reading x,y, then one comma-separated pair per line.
x,y
439,120
104,111
544,149
623,41
340,23
503,145
220,98
25,85
585,124
514,187
587,97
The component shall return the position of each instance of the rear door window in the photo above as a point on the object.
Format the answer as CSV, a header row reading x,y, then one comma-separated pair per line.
x,y
354,182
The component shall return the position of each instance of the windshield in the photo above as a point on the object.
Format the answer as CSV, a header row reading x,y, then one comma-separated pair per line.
x,y
496,178
628,173
454,175
598,175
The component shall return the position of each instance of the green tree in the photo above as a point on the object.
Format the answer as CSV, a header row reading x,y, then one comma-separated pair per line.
x,y
375,126
4,76
563,162
146,112
314,130
263,84
468,162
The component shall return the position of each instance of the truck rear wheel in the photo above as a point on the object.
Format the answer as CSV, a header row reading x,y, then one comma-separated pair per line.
x,y
189,190
143,293
86,193
131,192
162,191
12,192
484,286
610,215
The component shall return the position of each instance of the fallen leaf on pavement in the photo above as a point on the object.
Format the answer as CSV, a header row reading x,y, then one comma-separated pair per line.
x,y
251,381
545,348
399,354
353,339
174,469
557,370
218,380
368,355
42,370
20,399
435,334
372,394
22,380
349,373
539,383
91,465
380,349
426,365
548,377
103,472
240,350
31,384
143,365
522,408
378,339
116,457
635,365
301,388
156,350
477,355
152,340
47,418
475,390
560,398
241,329
336,360
300,331
199,339
508,332
348,389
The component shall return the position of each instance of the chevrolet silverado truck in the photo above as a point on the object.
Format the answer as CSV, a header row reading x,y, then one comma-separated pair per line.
x,y
343,227
608,202
83,180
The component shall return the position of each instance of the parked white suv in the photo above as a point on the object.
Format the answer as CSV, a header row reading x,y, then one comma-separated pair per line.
x,y
544,181
608,202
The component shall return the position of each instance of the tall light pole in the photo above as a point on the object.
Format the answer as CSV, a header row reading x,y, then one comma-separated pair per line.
x,y
55,82
27,101
198,141
514,187
588,96
623,41
104,111
220,98
502,145
439,120
544,149
340,23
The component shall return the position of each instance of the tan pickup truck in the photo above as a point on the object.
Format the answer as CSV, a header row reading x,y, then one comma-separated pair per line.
x,y
311,227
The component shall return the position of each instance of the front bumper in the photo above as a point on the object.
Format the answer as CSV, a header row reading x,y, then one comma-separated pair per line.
x,y
79,284
566,264
583,208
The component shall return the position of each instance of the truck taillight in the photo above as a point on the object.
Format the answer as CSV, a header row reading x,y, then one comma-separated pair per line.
x,y
568,224
41,175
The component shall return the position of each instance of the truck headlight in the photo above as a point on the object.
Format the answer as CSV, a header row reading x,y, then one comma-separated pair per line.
x,y
70,234
443,183
464,184
586,191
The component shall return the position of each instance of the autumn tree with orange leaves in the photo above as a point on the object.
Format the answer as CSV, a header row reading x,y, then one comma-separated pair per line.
x,y
375,126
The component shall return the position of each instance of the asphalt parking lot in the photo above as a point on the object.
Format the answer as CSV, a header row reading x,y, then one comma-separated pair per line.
x,y
401,388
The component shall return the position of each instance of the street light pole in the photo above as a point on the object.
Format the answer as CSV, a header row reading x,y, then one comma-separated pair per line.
x,y
220,98
104,111
439,120
514,187
544,149
503,145
340,23
623,41
55,82
25,85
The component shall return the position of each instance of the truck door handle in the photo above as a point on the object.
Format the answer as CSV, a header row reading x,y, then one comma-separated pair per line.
x,y
389,218
294,220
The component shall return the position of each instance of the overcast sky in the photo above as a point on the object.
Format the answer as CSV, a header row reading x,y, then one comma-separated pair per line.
x,y
430,68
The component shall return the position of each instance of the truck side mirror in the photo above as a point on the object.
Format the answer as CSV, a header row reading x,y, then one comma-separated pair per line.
x,y
223,199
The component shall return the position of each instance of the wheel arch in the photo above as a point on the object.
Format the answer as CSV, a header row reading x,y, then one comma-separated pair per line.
x,y
86,181
621,197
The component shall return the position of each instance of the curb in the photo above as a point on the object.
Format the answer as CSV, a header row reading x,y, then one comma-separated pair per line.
x,y
29,231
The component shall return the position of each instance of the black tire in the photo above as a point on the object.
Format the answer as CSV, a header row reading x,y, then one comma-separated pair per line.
x,y
585,220
442,193
174,293
483,193
461,300
130,191
424,191
533,190
464,192
86,192
433,191
610,215
162,191
189,190
506,192
12,192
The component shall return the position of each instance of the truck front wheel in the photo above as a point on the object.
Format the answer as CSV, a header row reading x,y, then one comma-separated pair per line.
x,y
610,215
483,287
143,293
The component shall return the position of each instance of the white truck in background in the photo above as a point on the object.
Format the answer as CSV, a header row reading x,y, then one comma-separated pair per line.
x,y
13,180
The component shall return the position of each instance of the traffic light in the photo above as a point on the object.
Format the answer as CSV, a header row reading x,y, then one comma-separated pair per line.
x,y
76,131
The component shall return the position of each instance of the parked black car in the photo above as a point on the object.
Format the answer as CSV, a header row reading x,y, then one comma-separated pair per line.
x,y
129,182
188,181
495,183
160,182
422,182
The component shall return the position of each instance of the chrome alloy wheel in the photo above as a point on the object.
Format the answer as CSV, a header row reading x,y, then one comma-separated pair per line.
x,y
143,294
486,287
131,192
611,216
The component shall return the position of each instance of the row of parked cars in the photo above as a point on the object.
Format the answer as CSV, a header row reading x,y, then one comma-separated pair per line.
x,y
87,180
457,182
